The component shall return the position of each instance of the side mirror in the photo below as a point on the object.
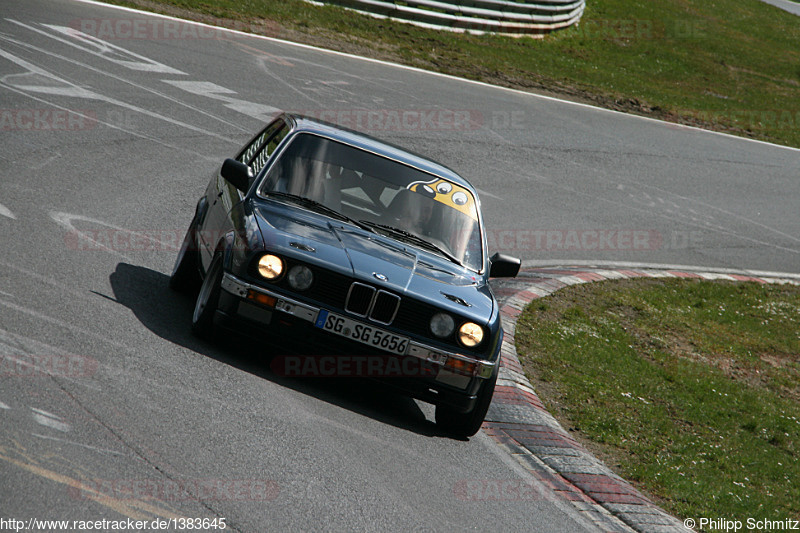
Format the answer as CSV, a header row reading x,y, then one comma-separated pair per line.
x,y
503,266
238,174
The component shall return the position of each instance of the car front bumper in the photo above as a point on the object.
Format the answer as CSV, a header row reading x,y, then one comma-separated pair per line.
x,y
443,385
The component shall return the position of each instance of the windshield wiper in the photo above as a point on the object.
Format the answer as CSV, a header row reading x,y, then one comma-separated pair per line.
x,y
322,208
416,239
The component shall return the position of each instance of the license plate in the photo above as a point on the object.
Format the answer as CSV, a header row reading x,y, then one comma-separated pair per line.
x,y
363,333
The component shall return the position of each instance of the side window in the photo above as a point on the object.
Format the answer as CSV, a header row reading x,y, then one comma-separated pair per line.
x,y
256,154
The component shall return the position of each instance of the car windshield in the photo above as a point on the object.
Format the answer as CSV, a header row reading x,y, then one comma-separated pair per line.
x,y
381,192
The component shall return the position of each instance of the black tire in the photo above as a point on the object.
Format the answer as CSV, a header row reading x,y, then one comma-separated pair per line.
x,y
207,301
465,425
185,274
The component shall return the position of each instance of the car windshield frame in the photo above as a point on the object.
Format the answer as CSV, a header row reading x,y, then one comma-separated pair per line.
x,y
377,189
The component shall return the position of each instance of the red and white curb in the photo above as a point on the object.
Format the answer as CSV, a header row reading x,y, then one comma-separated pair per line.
x,y
519,422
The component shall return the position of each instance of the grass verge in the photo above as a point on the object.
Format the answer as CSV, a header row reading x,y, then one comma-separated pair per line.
x,y
689,389
728,65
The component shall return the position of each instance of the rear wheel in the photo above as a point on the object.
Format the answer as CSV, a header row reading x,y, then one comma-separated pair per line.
x,y
208,300
467,424
185,275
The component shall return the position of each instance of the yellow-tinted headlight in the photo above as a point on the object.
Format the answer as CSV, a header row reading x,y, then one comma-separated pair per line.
x,y
270,266
470,334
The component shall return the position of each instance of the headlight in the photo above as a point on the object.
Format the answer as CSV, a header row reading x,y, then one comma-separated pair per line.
x,y
442,325
270,266
470,334
300,277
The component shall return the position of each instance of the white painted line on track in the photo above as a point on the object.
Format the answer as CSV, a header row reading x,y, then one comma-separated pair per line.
x,y
66,325
217,92
490,195
65,221
53,282
538,488
102,49
6,212
123,80
50,420
34,368
69,89
4,406
119,128
432,73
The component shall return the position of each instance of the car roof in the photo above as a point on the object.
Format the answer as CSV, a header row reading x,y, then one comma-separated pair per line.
x,y
371,144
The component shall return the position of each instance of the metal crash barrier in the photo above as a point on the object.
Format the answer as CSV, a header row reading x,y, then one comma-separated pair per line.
x,y
506,17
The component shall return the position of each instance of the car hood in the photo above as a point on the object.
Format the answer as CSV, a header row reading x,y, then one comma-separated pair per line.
x,y
370,257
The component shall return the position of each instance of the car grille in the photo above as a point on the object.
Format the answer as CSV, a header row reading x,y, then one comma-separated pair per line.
x,y
385,307
359,299
367,301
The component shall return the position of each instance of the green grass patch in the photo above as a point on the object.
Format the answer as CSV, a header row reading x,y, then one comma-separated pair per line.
x,y
729,65
690,389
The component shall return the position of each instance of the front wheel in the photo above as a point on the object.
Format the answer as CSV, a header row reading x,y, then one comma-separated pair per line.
x,y
467,424
208,300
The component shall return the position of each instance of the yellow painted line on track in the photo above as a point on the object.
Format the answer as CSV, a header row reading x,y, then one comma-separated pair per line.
x,y
132,508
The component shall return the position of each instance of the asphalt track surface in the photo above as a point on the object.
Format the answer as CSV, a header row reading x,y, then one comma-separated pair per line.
x,y
114,134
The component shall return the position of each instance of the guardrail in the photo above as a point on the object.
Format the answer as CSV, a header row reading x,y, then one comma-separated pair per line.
x,y
507,17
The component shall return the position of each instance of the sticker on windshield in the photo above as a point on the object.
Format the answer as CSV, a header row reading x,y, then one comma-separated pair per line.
x,y
448,194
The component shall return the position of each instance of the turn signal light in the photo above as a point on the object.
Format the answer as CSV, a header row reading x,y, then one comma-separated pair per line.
x,y
462,367
261,298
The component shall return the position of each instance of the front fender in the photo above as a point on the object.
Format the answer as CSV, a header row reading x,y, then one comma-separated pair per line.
x,y
200,211
238,244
